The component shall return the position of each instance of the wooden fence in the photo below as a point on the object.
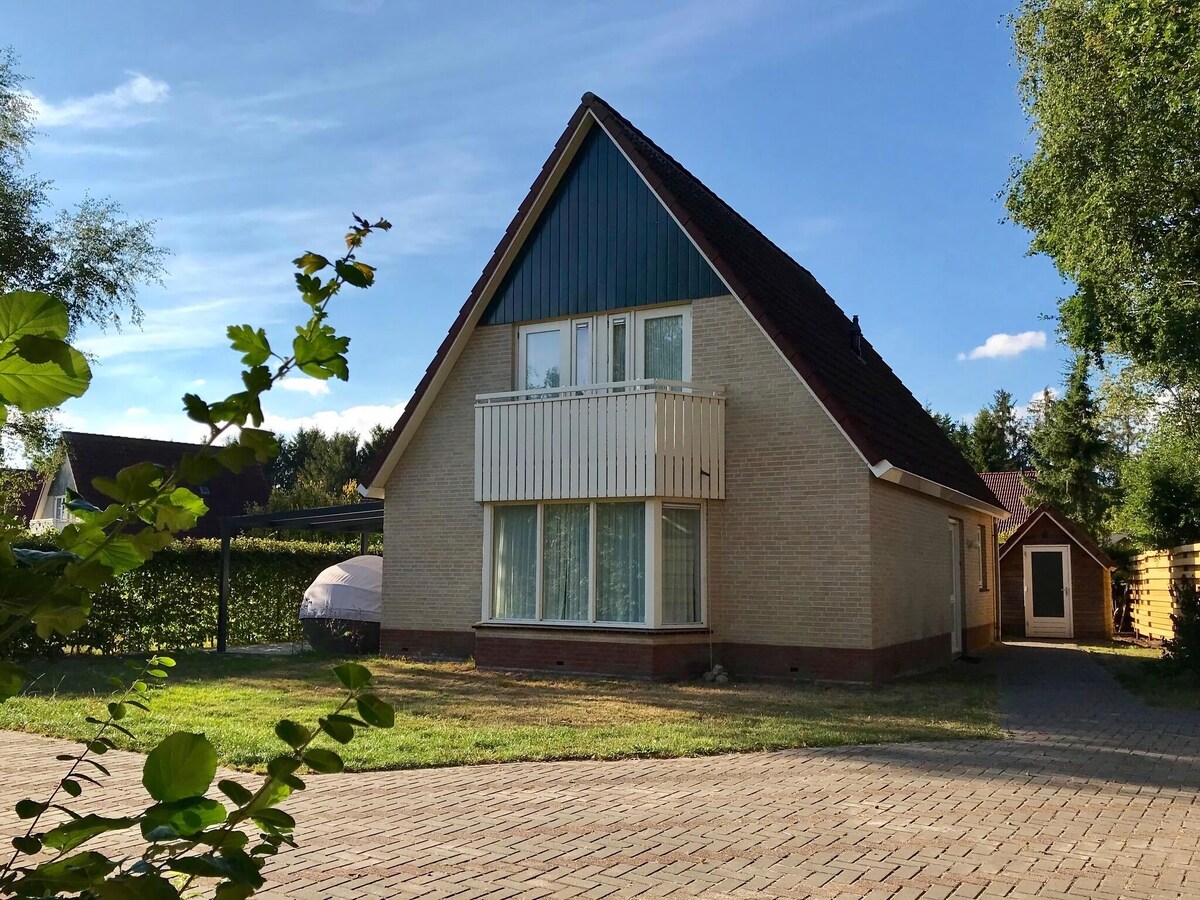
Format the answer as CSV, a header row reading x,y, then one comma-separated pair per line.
x,y
1150,587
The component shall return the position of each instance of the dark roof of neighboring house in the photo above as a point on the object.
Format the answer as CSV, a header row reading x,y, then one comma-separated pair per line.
x,y
1010,489
27,505
1073,531
863,395
228,494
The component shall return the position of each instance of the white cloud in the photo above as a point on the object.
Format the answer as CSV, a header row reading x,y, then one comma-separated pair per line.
x,y
109,109
355,418
1005,345
188,327
134,411
199,382
305,385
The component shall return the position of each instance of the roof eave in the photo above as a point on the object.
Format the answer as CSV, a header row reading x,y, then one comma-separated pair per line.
x,y
885,471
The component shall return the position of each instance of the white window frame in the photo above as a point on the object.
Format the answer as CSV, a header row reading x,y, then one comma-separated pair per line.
x,y
641,316
58,509
600,329
983,555
653,508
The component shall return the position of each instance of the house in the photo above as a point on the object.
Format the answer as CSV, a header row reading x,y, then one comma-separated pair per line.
x,y
87,456
651,442
1055,581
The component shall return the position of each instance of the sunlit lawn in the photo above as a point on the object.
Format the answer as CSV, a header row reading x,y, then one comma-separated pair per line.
x,y
451,714
1143,671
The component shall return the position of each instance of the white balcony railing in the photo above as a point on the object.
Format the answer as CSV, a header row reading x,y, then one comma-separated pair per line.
x,y
43,526
626,439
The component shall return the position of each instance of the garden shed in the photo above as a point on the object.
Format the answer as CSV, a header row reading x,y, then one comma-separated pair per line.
x,y
1055,582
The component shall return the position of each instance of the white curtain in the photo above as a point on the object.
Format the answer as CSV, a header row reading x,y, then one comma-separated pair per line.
x,y
565,529
514,560
620,562
664,348
681,565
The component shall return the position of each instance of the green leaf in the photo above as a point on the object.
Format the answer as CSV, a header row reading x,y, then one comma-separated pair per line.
x,y
338,730
178,511
27,845
182,765
165,661
352,675
69,835
310,262
197,468
227,890
232,864
28,809
67,875
72,787
282,766
118,711
132,484
274,820
375,711
357,274
37,559
39,373
12,679
32,312
322,354
182,818
197,410
235,792
251,343
292,733
235,457
324,761
146,886
264,443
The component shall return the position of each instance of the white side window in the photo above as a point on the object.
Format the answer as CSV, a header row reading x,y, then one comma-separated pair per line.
x,y
663,344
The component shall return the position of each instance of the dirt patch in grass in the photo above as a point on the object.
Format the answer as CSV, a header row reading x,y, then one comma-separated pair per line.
x,y
453,714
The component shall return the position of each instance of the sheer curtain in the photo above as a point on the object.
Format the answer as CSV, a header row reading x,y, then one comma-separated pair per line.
x,y
681,565
620,562
663,348
565,561
514,560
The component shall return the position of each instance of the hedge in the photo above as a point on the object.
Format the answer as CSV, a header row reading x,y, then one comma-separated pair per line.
x,y
171,602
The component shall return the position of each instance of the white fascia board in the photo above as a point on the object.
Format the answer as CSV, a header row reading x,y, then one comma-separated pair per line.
x,y
377,488
885,471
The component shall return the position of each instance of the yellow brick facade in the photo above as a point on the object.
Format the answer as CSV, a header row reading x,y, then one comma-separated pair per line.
x,y
808,549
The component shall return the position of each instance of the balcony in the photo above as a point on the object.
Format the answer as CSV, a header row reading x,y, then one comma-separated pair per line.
x,y
628,439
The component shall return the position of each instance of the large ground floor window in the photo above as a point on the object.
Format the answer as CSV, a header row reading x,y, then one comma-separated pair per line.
x,y
621,563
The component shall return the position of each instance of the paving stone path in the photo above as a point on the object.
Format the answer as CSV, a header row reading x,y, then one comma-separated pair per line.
x,y
1094,795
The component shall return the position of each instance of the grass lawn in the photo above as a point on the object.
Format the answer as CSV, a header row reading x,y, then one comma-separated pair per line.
x,y
452,714
1142,671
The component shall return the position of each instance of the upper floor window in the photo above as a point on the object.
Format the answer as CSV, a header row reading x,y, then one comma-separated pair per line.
x,y
652,344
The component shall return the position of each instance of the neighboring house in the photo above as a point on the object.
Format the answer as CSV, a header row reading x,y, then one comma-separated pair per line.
x,y
87,456
651,442
1055,582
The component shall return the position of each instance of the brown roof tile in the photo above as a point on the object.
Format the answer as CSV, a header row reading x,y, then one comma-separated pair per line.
x,y
1011,490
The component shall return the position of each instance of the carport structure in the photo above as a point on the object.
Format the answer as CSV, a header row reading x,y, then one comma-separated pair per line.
x,y
365,519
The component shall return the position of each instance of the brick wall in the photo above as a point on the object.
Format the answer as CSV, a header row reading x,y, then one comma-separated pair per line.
x,y
788,553
433,528
911,567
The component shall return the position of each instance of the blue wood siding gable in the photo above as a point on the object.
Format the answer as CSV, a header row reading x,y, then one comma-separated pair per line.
x,y
603,242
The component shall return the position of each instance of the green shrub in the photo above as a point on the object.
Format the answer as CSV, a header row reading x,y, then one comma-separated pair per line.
x,y
1183,650
171,601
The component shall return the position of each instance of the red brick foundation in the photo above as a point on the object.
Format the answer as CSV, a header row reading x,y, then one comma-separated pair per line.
x,y
670,655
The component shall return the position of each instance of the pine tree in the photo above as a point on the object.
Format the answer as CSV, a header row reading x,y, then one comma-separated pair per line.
x,y
998,439
1072,457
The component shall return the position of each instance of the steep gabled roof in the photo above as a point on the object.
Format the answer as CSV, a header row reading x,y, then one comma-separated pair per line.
x,y
93,455
1073,531
893,433
1011,490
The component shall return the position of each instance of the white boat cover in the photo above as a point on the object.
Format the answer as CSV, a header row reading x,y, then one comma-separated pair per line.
x,y
350,590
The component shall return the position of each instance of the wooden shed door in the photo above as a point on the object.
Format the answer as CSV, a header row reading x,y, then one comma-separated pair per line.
x,y
1048,591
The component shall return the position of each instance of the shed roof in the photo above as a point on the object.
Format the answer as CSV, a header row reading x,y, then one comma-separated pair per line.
x,y
865,398
1073,531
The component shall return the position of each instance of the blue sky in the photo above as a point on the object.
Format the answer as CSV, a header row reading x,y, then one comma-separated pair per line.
x,y
869,138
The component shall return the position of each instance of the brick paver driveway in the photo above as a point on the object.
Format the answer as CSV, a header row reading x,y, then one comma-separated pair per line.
x,y
1094,795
